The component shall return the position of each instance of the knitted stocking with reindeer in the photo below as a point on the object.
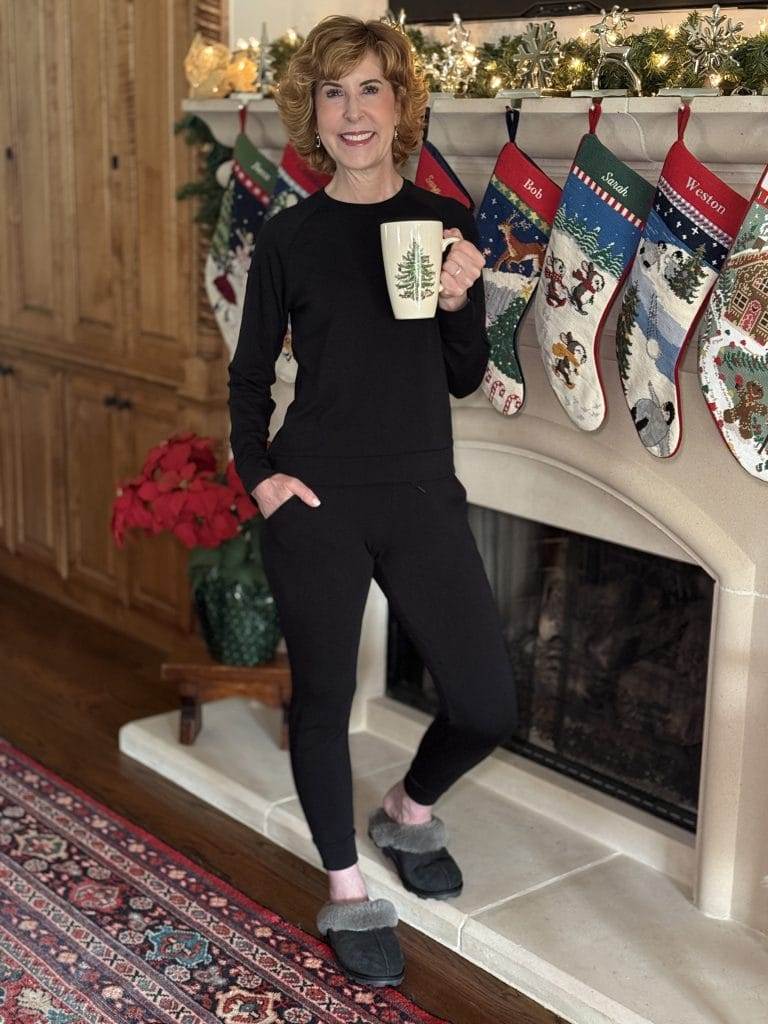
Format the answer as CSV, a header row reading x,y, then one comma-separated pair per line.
x,y
514,221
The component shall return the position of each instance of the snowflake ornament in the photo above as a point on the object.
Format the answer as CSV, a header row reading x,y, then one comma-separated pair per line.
x,y
537,55
710,40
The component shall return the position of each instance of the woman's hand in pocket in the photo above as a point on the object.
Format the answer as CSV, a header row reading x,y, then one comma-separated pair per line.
x,y
278,488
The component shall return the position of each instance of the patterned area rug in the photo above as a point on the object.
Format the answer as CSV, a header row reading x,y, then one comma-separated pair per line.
x,y
101,922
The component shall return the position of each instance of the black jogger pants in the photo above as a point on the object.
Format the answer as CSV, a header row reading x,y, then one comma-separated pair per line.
x,y
414,539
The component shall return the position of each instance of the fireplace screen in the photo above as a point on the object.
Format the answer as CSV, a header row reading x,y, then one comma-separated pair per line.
x,y
609,647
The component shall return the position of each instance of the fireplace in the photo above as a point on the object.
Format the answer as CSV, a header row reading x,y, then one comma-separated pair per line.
x,y
698,507
609,648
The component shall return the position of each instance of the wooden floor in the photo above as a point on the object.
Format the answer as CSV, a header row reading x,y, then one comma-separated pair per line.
x,y
67,686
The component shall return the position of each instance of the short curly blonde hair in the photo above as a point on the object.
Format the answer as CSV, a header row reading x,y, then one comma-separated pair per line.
x,y
333,47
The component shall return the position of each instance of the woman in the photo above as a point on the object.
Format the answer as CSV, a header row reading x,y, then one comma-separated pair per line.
x,y
359,481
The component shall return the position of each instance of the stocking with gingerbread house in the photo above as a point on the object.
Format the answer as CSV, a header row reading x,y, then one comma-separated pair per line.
x,y
733,341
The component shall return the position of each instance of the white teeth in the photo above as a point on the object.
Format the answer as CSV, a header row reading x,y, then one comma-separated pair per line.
x,y
357,136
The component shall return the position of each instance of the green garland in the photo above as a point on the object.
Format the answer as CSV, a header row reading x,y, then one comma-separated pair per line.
x,y
206,188
659,59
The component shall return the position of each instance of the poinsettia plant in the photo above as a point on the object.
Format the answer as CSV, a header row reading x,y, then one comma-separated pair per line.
x,y
180,490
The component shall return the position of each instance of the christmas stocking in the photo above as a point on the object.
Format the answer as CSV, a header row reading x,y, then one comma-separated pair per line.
x,y
594,237
686,238
733,341
295,181
514,222
241,214
434,174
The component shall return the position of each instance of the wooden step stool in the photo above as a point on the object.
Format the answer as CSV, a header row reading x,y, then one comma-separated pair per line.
x,y
198,681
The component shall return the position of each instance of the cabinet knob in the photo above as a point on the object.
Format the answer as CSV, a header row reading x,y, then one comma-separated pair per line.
x,y
111,400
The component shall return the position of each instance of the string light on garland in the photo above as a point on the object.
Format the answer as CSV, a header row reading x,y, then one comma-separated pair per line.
x,y
455,66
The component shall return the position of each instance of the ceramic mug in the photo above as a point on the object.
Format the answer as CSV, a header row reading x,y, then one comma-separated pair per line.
x,y
412,251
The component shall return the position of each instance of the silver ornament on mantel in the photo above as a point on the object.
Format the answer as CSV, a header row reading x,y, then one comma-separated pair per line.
x,y
396,22
535,60
456,66
609,31
711,40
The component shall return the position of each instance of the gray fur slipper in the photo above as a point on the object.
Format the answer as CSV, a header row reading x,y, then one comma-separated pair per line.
x,y
362,936
419,853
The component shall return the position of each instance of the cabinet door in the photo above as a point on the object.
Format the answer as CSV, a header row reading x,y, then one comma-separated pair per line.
x,y
38,245
157,565
95,43
36,429
94,449
159,267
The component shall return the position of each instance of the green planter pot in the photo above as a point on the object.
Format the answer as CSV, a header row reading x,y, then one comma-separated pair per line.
x,y
238,620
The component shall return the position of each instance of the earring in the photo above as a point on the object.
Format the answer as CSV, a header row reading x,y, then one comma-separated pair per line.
x,y
317,140
397,135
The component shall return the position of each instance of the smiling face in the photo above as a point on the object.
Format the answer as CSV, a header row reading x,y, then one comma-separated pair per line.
x,y
356,115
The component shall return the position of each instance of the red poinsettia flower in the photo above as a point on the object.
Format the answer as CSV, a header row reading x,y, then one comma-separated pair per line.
x,y
178,491
179,449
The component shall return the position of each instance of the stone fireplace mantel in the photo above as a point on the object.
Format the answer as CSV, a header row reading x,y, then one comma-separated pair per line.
x,y
639,129
699,505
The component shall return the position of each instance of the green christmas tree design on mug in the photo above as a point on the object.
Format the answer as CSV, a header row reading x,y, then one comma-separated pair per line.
x,y
415,274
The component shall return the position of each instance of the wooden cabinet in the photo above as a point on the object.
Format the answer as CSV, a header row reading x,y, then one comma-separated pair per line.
x,y
98,248
110,430
102,351
33,441
96,429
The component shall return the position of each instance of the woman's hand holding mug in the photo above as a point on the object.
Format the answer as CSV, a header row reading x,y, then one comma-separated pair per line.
x,y
460,270
274,490
412,251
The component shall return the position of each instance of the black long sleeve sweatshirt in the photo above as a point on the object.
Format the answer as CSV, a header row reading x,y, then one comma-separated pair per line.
x,y
371,400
